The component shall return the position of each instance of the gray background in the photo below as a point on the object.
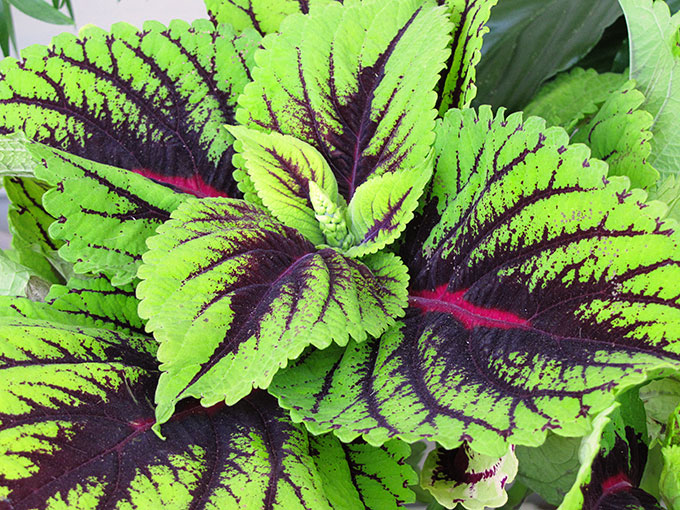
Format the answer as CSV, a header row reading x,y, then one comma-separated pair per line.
x,y
104,13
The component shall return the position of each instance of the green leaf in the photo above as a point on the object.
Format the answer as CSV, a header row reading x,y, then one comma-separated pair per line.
x,y
76,433
280,168
6,26
15,160
356,82
265,16
42,11
19,280
619,134
232,294
668,191
464,476
531,40
469,18
550,469
539,290
660,397
573,96
655,65
104,213
151,100
669,482
383,206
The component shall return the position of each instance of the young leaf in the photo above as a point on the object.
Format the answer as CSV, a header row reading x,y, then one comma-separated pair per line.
x,y
661,397
613,458
356,82
619,134
573,96
231,294
15,160
104,213
538,291
280,168
265,16
152,100
531,40
655,65
75,432
464,476
458,85
19,280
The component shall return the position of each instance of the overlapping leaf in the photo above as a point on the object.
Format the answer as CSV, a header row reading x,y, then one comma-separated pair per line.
x,y
613,458
104,214
15,160
458,84
232,295
619,134
539,289
655,65
152,100
573,96
265,16
356,82
75,432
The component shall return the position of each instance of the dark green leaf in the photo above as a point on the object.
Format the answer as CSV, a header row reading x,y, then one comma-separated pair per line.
x,y
42,11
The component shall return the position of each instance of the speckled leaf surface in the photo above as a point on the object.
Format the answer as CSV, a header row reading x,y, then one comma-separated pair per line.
x,y
152,100
75,432
232,294
265,16
356,82
539,289
458,82
103,214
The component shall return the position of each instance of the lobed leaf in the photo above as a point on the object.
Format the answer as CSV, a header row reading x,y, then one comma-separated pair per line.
x,y
104,214
152,100
75,432
654,65
232,294
619,134
539,290
573,96
356,82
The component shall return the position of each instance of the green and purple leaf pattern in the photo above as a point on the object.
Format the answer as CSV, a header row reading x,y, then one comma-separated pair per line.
x,y
355,81
539,290
231,294
265,16
104,214
152,100
458,84
76,432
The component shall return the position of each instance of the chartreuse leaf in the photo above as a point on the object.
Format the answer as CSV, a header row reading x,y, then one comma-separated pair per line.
x,y
655,66
153,100
613,458
280,168
356,82
619,134
104,213
75,432
464,476
573,96
469,18
265,16
538,291
232,294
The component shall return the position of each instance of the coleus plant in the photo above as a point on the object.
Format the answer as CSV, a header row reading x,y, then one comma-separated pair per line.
x,y
257,256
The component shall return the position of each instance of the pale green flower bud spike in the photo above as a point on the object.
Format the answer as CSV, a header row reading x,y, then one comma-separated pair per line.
x,y
331,217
